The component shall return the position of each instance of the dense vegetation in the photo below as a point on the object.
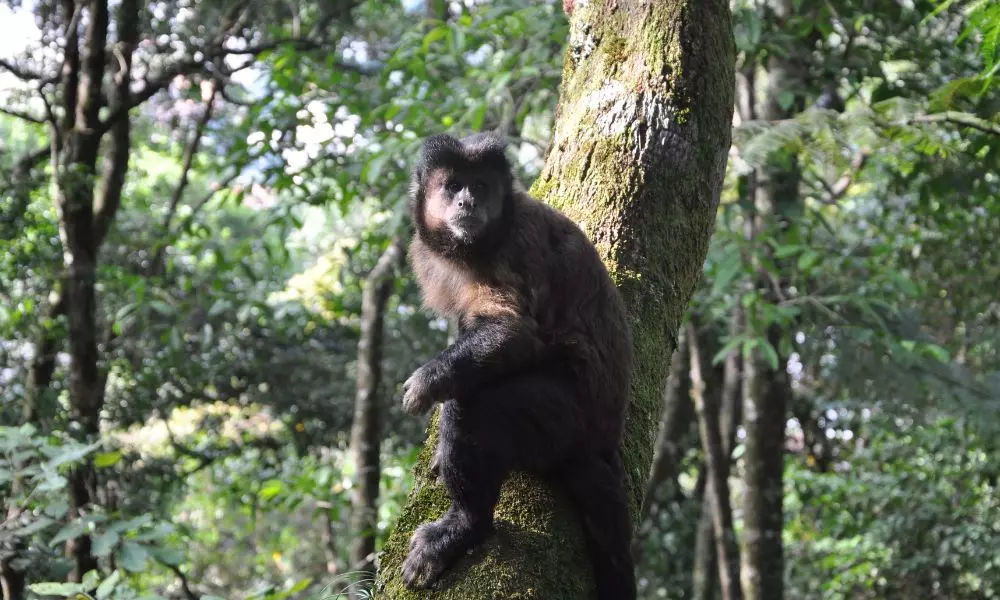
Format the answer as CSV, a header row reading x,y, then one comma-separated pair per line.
x,y
242,170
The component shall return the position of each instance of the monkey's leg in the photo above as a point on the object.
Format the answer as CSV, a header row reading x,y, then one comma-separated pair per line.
x,y
529,422
595,484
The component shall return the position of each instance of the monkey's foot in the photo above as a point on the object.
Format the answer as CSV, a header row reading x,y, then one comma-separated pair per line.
x,y
433,548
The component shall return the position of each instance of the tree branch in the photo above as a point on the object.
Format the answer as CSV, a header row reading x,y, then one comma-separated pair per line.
x,y
189,153
959,118
116,160
191,66
185,586
70,68
22,115
89,103
20,72
162,244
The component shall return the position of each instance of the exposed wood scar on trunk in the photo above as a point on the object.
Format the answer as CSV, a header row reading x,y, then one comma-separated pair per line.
x,y
586,163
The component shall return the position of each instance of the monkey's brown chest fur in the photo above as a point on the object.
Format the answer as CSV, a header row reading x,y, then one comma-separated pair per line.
x,y
453,290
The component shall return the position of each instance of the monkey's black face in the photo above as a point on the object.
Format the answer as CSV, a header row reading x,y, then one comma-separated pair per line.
x,y
463,205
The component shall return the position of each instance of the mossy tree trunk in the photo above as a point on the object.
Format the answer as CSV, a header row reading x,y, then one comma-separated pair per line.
x,y
637,160
672,441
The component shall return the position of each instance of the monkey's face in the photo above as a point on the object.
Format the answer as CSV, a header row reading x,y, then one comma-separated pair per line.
x,y
463,204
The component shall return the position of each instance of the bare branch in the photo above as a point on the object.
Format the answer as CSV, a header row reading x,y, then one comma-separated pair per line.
x,y
189,153
196,208
168,236
22,115
20,72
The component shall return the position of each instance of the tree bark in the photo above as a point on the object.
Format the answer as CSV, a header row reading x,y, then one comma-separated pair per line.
x,y
637,160
668,450
365,430
766,389
707,406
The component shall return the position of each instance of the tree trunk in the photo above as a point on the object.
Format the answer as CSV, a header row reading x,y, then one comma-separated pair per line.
x,y
75,199
12,581
365,429
667,451
705,576
84,219
766,389
707,406
637,159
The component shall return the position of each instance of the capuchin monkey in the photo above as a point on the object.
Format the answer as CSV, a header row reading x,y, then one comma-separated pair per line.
x,y
538,377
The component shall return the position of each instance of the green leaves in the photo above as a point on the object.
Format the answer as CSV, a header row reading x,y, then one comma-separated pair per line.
x,y
132,557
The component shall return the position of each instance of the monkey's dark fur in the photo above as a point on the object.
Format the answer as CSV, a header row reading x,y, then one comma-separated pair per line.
x,y
538,377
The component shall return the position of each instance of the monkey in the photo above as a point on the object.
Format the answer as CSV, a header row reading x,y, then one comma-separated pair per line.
x,y
537,378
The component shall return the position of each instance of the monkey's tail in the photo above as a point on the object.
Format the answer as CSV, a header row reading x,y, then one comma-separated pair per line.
x,y
596,486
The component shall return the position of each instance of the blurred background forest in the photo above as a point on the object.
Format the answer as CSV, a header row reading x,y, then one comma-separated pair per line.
x,y
190,434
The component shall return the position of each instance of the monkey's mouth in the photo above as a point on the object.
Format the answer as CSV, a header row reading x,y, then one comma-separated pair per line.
x,y
466,226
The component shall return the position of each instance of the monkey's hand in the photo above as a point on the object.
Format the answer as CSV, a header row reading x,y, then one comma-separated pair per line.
x,y
423,388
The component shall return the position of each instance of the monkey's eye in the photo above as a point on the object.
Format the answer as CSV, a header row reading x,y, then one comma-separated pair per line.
x,y
479,187
453,186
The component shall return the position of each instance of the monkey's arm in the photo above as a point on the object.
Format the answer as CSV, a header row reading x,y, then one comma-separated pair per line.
x,y
486,349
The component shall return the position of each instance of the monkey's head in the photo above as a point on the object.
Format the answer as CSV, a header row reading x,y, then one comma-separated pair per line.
x,y
461,193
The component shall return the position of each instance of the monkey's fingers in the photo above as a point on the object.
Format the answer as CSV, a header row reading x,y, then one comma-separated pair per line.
x,y
423,564
415,402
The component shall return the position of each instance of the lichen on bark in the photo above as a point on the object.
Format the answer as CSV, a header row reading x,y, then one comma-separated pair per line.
x,y
637,160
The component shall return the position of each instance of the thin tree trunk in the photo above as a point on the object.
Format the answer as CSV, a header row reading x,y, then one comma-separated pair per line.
x,y
12,581
678,414
705,572
717,467
766,389
365,430
637,159
329,543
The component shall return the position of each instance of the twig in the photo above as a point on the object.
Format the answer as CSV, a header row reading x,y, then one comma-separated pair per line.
x,y
188,592
837,190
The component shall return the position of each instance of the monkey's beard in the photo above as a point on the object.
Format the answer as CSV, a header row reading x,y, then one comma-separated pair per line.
x,y
466,230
